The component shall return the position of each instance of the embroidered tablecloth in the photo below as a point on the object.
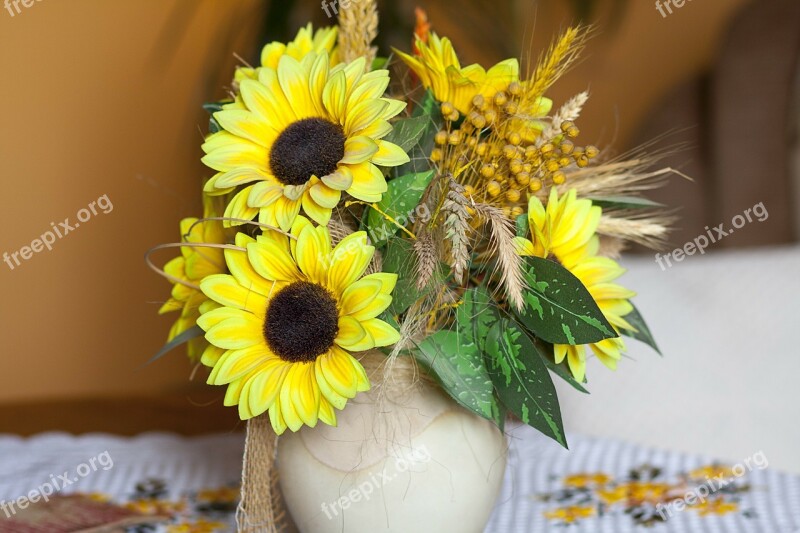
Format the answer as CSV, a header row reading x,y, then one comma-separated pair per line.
x,y
599,485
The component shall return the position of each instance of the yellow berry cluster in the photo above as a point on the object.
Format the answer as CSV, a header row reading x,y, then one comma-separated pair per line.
x,y
492,153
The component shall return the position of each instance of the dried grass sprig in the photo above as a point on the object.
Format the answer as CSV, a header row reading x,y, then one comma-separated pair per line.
x,y
358,28
456,227
427,258
643,228
569,112
503,248
558,59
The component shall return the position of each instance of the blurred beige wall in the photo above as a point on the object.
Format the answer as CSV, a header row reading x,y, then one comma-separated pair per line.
x,y
98,101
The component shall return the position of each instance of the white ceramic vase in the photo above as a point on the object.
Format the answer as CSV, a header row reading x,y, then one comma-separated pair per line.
x,y
402,459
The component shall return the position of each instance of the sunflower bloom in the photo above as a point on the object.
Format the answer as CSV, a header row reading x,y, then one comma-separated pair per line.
x,y
194,264
293,311
439,70
566,231
321,41
305,133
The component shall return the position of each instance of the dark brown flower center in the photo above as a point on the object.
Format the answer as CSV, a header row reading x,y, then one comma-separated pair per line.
x,y
302,322
308,147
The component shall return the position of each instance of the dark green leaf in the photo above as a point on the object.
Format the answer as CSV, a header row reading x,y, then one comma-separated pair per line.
x,y
643,334
559,309
400,202
457,363
186,336
407,132
477,314
522,380
625,202
213,125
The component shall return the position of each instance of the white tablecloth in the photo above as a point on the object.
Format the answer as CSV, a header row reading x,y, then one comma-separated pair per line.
x,y
537,494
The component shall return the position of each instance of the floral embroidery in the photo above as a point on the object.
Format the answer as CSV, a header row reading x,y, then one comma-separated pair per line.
x,y
644,494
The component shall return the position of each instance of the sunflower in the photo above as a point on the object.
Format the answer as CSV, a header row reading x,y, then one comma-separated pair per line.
x,y
323,40
194,264
439,69
566,231
293,310
306,133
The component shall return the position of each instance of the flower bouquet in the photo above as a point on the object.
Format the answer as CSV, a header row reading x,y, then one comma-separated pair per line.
x,y
437,226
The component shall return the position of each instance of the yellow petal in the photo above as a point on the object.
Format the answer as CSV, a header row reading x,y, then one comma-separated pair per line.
x,y
224,289
265,194
349,260
350,332
320,215
276,419
390,155
247,125
382,333
327,414
234,364
239,210
285,212
340,180
358,149
312,249
364,114
360,295
388,281
237,333
272,262
325,196
334,96
266,385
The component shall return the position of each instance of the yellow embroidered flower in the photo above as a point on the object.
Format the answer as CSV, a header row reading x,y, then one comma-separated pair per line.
x,y
305,133
636,492
323,40
570,514
292,312
587,480
711,471
566,231
717,507
439,69
188,269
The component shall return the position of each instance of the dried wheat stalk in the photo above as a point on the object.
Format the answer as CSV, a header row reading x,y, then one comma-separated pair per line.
x,y
502,247
425,249
456,226
568,112
358,28
645,229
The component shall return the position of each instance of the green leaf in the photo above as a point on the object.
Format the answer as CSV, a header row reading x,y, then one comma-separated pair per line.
x,y
398,258
457,363
379,62
643,334
625,202
428,106
186,336
559,309
407,132
522,225
213,125
400,202
476,315
522,380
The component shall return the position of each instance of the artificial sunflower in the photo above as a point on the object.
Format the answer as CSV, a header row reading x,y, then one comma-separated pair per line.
x,y
293,310
566,231
439,69
188,269
305,132
307,40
